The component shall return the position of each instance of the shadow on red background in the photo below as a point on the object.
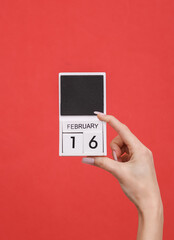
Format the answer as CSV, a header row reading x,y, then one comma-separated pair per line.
x,y
43,196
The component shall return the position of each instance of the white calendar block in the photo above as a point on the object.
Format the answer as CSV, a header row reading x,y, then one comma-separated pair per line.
x,y
72,143
81,133
93,143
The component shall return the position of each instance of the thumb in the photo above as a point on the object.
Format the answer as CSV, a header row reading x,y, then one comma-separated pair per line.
x,y
105,163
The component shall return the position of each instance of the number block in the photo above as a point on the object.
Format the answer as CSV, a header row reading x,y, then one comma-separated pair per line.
x,y
93,143
73,143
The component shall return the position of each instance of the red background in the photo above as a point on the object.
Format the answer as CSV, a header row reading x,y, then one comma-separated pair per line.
x,y
43,196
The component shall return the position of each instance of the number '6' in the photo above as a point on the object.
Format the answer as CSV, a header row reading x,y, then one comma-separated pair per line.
x,y
93,143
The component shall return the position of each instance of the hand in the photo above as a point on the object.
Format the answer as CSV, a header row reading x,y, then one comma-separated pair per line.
x,y
134,169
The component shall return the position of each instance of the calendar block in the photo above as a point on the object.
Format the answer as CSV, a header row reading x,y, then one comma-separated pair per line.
x,y
72,143
93,143
81,133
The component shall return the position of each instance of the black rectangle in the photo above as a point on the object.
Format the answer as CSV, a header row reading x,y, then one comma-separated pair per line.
x,y
81,94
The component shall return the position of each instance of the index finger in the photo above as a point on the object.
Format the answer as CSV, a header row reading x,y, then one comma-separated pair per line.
x,y
127,136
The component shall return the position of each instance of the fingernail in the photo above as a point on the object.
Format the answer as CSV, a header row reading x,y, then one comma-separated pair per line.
x,y
96,112
88,161
114,155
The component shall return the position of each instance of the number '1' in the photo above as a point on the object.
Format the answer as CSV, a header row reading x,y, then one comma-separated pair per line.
x,y
73,142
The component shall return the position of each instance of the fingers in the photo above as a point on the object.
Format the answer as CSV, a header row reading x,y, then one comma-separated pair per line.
x,y
125,158
105,163
126,135
116,144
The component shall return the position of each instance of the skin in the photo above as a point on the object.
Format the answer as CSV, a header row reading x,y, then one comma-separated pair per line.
x,y
135,171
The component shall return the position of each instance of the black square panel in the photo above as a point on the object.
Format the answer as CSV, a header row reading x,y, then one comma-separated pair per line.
x,y
81,94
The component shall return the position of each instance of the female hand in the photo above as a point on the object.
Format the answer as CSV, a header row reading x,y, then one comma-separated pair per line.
x,y
134,169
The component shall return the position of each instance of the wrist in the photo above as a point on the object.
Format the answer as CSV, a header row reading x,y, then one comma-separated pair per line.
x,y
151,210
150,223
